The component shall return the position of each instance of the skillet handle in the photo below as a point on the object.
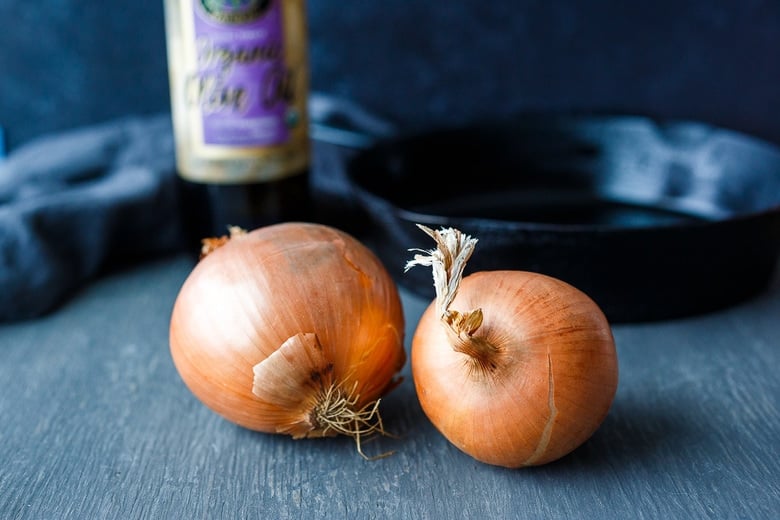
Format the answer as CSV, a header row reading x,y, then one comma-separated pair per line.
x,y
342,122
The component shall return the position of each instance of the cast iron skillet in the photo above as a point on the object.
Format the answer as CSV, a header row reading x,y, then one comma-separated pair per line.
x,y
654,220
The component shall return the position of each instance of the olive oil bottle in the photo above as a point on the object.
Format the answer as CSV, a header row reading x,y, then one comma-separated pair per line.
x,y
239,83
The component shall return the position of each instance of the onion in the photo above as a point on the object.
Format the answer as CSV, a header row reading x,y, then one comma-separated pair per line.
x,y
293,328
525,375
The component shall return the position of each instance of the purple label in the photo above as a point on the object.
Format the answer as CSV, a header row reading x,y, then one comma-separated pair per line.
x,y
242,84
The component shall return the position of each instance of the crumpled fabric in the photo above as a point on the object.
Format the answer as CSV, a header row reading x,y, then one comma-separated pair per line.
x,y
72,203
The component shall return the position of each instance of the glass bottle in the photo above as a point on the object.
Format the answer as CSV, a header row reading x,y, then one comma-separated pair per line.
x,y
239,83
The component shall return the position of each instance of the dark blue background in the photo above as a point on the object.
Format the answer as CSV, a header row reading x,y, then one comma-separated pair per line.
x,y
66,63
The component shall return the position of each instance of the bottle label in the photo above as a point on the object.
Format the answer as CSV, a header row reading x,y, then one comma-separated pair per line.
x,y
241,84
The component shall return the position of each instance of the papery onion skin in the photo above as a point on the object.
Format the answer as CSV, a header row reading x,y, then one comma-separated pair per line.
x,y
555,374
245,299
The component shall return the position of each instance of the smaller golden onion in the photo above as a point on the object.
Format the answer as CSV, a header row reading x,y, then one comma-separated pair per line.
x,y
294,328
523,373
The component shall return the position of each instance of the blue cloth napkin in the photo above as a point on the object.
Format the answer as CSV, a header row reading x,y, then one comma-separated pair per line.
x,y
72,203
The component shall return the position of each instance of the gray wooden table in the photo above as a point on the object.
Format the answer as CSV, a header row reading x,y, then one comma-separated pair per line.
x,y
96,424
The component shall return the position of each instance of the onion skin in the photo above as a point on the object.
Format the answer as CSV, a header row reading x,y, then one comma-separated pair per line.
x,y
312,288
545,389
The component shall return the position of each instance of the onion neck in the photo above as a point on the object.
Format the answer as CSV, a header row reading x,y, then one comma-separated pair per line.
x,y
448,262
211,244
461,328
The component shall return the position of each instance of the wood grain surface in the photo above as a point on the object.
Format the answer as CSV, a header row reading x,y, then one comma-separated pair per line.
x,y
96,424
